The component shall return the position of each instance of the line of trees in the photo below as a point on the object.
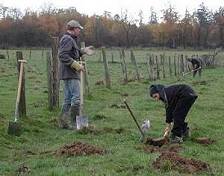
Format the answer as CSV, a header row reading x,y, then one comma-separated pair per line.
x,y
200,29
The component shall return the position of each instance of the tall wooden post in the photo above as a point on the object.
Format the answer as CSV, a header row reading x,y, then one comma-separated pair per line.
x,y
170,67
53,79
133,60
123,66
175,65
22,102
157,68
106,68
163,65
30,54
85,82
181,63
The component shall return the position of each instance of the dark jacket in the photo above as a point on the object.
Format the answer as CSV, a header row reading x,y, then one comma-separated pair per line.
x,y
68,52
170,95
196,62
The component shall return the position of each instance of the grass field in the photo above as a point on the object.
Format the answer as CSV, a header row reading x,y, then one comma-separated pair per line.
x,y
124,155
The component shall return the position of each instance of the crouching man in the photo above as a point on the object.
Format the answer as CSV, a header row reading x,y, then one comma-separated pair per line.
x,y
178,100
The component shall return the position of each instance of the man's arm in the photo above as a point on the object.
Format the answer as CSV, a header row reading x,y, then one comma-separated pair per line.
x,y
65,48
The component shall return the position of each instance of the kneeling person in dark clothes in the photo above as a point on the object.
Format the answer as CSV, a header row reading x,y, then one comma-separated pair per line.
x,y
178,100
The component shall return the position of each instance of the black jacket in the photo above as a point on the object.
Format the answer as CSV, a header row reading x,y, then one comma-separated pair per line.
x,y
68,52
170,95
196,62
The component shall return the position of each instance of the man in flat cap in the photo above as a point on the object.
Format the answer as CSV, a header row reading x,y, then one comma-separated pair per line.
x,y
178,100
69,54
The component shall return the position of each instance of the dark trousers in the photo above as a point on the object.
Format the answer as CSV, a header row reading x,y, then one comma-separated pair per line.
x,y
179,115
196,69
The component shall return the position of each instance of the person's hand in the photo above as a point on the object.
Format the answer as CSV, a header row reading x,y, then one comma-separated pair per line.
x,y
88,50
77,66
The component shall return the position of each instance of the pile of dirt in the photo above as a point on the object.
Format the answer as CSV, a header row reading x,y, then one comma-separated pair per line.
x,y
204,140
78,149
172,161
156,141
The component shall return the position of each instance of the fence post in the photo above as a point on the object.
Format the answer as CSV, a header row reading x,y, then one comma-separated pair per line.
x,y
7,53
133,60
181,63
22,101
107,73
170,68
175,65
123,66
53,79
163,65
86,82
30,54
157,68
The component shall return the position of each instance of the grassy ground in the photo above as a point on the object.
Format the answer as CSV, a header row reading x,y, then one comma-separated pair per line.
x,y
41,134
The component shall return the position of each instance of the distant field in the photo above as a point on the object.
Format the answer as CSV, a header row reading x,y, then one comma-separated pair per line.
x,y
33,152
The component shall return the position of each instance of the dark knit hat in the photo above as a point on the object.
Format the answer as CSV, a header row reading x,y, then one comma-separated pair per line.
x,y
155,88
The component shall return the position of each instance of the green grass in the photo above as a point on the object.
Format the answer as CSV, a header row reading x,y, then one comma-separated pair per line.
x,y
40,132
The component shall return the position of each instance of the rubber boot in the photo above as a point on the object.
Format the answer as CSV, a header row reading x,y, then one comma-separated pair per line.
x,y
63,120
74,112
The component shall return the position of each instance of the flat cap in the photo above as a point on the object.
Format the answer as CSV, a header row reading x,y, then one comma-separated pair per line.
x,y
74,23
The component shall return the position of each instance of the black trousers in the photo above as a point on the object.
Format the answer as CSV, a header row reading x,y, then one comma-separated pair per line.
x,y
196,69
179,115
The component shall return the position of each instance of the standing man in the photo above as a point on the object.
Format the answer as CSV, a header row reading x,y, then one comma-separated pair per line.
x,y
178,100
69,71
196,65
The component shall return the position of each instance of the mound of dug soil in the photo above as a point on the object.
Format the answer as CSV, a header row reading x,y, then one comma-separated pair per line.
x,y
204,140
172,161
78,149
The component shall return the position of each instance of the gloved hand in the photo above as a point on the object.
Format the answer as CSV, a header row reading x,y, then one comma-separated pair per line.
x,y
167,129
77,66
88,50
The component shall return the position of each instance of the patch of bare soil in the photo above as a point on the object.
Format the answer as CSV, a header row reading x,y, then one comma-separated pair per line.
x,y
23,170
79,149
99,82
118,106
156,141
172,161
124,94
166,148
204,140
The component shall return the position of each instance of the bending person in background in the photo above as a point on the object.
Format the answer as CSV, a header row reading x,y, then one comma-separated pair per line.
x,y
178,100
196,65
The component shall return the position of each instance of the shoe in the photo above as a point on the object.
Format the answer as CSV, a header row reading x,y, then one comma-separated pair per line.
x,y
176,139
63,121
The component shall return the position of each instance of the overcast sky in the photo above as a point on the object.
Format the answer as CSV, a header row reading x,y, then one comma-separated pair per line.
x,y
90,7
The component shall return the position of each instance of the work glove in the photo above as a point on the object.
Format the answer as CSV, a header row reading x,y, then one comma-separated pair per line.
x,y
88,50
77,66
167,129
